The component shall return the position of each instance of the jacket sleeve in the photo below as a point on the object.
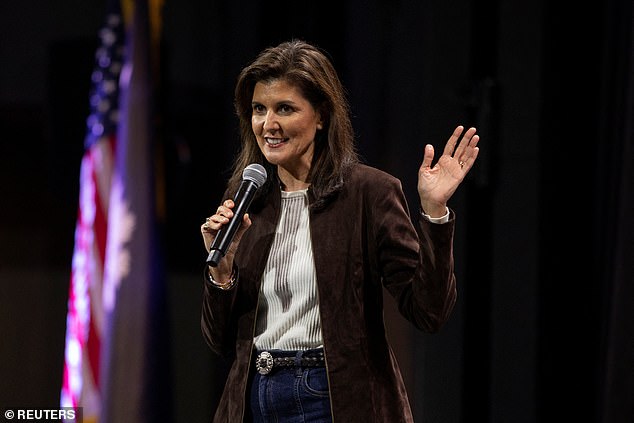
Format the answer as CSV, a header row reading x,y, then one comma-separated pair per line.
x,y
216,323
415,260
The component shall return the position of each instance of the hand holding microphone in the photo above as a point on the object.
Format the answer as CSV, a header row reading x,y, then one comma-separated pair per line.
x,y
231,215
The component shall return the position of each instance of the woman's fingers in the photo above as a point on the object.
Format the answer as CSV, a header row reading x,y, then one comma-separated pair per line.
x,y
206,227
222,216
453,140
464,145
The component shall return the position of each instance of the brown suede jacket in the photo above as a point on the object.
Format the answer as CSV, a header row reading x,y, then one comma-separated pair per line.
x,y
362,241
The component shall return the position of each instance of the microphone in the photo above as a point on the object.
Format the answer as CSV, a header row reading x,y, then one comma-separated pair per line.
x,y
253,176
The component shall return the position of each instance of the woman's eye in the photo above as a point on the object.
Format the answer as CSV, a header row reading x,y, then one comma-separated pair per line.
x,y
258,108
285,108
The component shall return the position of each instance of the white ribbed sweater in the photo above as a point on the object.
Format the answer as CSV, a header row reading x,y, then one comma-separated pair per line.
x,y
288,309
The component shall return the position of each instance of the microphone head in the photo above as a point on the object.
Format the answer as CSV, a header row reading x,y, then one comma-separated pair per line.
x,y
255,173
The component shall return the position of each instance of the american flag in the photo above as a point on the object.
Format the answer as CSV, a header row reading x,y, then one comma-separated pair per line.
x,y
115,367
85,318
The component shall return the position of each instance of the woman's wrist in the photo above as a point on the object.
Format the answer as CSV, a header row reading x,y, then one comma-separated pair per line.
x,y
435,211
440,219
220,285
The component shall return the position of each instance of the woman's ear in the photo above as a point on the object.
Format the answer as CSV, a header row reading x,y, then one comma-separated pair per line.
x,y
320,120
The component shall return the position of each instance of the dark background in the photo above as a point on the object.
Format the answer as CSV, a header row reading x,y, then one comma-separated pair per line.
x,y
542,329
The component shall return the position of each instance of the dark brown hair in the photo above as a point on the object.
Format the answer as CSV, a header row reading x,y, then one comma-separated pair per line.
x,y
308,68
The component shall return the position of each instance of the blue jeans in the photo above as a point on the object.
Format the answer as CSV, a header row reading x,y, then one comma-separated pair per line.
x,y
291,395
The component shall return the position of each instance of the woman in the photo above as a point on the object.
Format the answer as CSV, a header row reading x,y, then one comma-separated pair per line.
x,y
295,305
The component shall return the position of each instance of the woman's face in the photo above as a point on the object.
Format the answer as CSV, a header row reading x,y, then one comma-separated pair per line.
x,y
284,123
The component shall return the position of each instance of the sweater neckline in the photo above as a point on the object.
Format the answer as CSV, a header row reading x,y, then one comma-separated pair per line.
x,y
293,194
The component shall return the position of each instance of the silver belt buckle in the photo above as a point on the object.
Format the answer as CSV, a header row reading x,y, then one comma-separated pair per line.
x,y
264,363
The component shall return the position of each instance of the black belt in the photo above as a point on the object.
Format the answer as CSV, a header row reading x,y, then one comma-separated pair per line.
x,y
266,361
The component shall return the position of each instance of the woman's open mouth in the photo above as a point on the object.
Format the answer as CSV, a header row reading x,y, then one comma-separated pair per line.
x,y
274,141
